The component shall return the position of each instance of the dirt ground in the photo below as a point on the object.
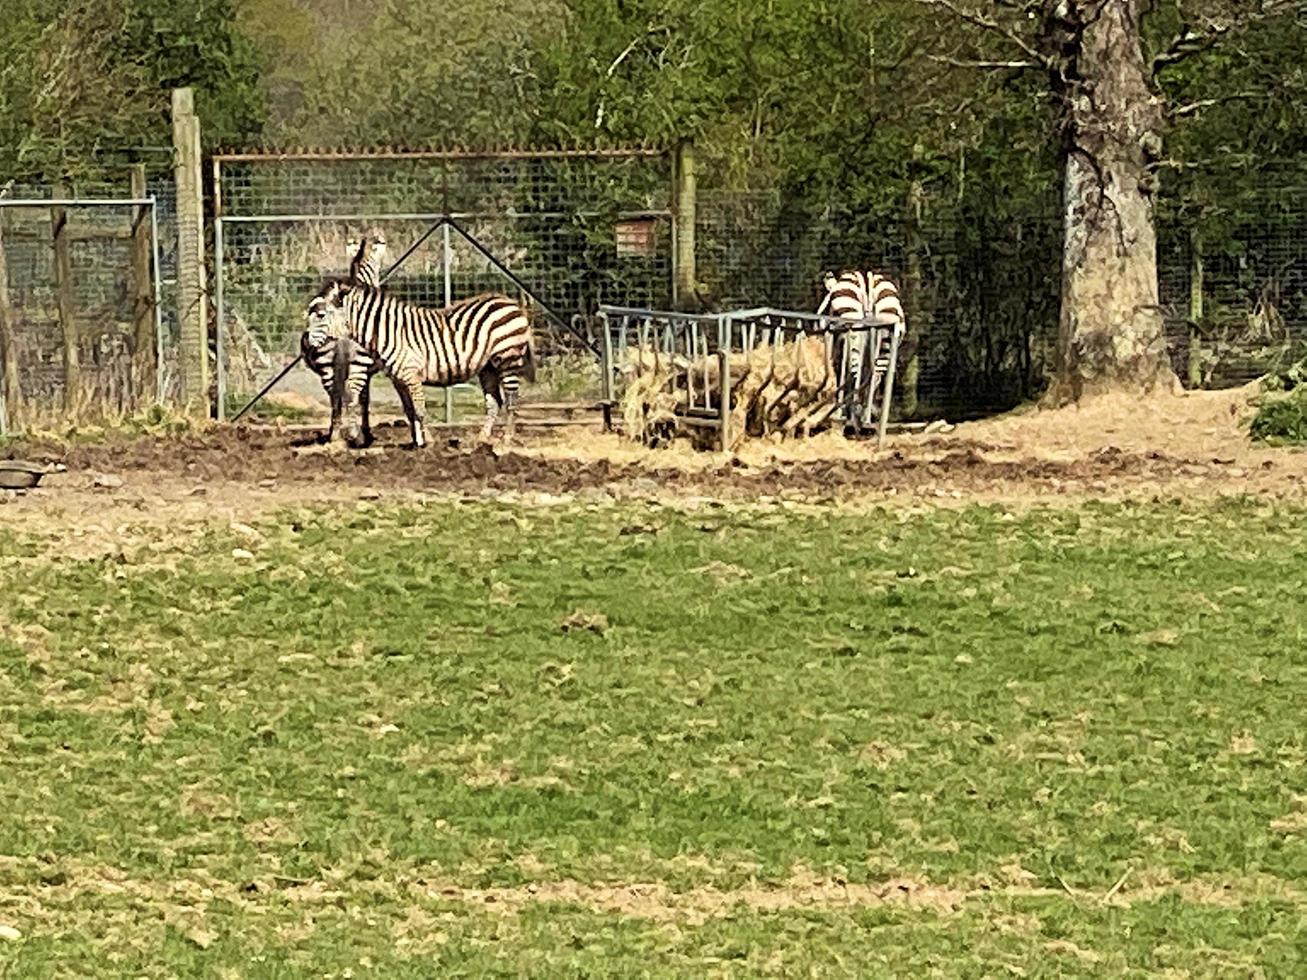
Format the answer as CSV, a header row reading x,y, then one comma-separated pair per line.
x,y
1181,447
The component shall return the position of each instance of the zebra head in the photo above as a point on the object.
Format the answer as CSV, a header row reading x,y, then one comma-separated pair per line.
x,y
366,257
325,313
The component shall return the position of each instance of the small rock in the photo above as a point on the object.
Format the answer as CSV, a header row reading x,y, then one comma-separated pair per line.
x,y
107,481
199,491
369,494
241,554
268,484
245,531
10,934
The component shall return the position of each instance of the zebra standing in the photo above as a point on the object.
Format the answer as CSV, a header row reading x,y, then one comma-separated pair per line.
x,y
323,352
858,295
487,337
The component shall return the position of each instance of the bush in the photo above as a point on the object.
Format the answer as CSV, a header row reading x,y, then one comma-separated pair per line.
x,y
1282,419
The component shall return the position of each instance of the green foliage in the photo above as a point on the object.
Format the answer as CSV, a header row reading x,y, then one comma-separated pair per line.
x,y
86,76
312,752
1281,419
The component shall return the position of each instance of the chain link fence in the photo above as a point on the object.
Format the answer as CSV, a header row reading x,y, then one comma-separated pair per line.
x,y
980,275
87,326
563,230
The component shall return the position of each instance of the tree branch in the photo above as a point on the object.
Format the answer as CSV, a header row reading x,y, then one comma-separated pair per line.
x,y
963,63
1191,41
989,24
1193,108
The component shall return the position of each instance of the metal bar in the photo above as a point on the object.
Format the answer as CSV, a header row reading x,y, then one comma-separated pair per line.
x,y
221,327
327,155
606,358
724,384
76,202
436,216
158,305
267,388
449,298
522,286
889,391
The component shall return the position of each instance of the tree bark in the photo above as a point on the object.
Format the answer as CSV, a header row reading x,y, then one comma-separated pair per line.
x,y
1111,334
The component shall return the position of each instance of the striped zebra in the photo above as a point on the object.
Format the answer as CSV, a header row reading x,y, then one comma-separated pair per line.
x,y
857,295
487,337
321,352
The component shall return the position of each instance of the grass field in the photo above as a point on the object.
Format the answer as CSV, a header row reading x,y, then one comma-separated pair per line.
x,y
475,739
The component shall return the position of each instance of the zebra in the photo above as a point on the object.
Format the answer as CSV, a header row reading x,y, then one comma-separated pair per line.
x,y
857,295
321,351
487,337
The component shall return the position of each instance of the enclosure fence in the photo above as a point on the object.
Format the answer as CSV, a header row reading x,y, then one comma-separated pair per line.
x,y
979,271
85,334
561,230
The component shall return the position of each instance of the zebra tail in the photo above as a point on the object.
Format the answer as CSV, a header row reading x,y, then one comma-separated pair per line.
x,y
529,362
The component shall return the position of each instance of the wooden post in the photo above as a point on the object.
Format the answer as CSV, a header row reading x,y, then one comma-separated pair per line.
x,y
1195,364
684,278
10,393
143,340
192,315
65,302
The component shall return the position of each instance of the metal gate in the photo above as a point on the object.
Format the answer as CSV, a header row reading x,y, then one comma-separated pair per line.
x,y
563,230
82,335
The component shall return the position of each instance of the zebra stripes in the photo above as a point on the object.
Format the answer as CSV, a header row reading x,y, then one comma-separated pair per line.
x,y
323,353
857,295
487,337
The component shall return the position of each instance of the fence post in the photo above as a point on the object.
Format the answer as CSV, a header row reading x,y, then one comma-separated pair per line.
x,y
914,291
447,255
10,394
1195,365
191,312
65,300
144,369
685,208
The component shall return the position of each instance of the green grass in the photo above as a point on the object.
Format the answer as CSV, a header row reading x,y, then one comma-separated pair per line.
x,y
279,766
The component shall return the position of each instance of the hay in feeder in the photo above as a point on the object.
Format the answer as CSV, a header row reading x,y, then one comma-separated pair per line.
x,y
786,390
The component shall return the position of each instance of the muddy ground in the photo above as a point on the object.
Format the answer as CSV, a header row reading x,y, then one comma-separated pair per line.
x,y
1176,447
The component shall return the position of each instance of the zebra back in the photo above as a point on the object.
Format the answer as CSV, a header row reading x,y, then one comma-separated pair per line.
x,y
447,346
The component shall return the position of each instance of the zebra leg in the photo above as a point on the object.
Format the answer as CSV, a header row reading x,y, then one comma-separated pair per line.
x,y
415,406
352,389
490,386
365,394
510,385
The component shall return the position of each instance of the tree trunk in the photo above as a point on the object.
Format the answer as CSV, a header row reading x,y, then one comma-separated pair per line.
x,y
1111,334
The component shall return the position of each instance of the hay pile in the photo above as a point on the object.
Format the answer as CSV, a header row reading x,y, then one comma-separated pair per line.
x,y
784,391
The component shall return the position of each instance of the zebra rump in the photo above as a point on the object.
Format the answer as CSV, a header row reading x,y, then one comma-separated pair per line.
x,y
857,295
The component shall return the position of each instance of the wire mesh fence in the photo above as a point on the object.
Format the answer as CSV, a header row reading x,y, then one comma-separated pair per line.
x,y
980,276
563,230
84,320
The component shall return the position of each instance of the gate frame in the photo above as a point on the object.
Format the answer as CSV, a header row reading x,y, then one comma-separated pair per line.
x,y
150,202
440,220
